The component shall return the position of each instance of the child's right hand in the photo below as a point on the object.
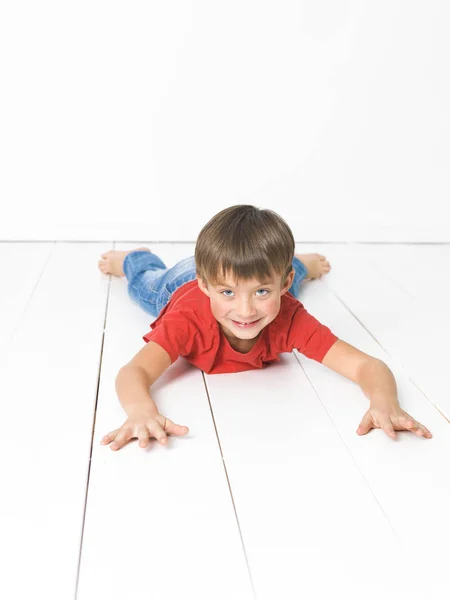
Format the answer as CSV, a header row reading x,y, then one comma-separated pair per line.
x,y
143,427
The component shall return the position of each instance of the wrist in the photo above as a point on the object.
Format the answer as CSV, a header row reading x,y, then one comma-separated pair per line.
x,y
142,409
383,400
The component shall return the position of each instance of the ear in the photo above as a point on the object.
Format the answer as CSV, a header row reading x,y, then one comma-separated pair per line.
x,y
202,286
288,282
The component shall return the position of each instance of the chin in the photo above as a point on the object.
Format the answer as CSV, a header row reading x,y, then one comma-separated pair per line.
x,y
246,336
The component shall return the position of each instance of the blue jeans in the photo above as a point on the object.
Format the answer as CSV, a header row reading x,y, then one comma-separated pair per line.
x,y
151,284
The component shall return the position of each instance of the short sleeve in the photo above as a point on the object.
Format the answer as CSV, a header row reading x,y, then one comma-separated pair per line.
x,y
174,332
309,336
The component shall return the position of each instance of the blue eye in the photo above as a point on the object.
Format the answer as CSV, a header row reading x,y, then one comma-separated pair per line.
x,y
224,292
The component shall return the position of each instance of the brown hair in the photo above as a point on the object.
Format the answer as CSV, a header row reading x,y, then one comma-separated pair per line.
x,y
247,242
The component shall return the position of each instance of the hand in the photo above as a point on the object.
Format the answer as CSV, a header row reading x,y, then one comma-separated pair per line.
x,y
390,418
143,426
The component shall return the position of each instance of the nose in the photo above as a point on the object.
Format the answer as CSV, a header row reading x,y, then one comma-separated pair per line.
x,y
246,311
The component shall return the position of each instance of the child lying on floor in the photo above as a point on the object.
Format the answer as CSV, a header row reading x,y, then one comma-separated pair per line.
x,y
232,307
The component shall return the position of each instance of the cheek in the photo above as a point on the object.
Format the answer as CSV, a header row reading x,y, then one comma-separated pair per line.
x,y
218,307
272,306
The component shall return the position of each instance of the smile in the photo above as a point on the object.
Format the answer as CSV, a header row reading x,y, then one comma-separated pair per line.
x,y
245,325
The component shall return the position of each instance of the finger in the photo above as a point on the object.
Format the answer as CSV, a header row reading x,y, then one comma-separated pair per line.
x,y
407,422
158,432
388,428
143,436
421,431
174,429
415,427
122,438
365,425
428,433
108,437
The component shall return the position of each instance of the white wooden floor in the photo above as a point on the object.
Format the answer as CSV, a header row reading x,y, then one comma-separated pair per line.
x,y
272,494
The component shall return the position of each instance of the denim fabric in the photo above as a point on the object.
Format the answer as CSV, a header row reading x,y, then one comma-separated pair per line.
x,y
151,284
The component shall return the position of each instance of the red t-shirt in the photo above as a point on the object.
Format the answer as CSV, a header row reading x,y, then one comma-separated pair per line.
x,y
186,327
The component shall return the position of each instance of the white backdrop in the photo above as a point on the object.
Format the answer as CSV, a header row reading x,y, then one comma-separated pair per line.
x,y
139,120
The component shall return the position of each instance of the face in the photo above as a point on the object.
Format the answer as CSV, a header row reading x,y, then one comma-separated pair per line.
x,y
243,310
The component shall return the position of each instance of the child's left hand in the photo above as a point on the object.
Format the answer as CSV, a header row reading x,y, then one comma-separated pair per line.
x,y
390,418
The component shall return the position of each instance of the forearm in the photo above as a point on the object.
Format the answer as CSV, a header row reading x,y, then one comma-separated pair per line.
x,y
378,383
133,390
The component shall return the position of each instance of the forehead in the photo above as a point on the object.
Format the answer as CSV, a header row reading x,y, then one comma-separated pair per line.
x,y
232,283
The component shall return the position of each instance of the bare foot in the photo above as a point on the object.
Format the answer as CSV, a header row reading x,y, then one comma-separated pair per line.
x,y
112,261
316,265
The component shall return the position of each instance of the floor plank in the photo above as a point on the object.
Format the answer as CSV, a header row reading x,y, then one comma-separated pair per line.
x,y
419,270
407,475
48,384
300,498
22,266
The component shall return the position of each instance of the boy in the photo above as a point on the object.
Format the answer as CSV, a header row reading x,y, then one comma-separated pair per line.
x,y
232,307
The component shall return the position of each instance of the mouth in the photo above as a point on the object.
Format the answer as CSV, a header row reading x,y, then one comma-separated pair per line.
x,y
244,325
